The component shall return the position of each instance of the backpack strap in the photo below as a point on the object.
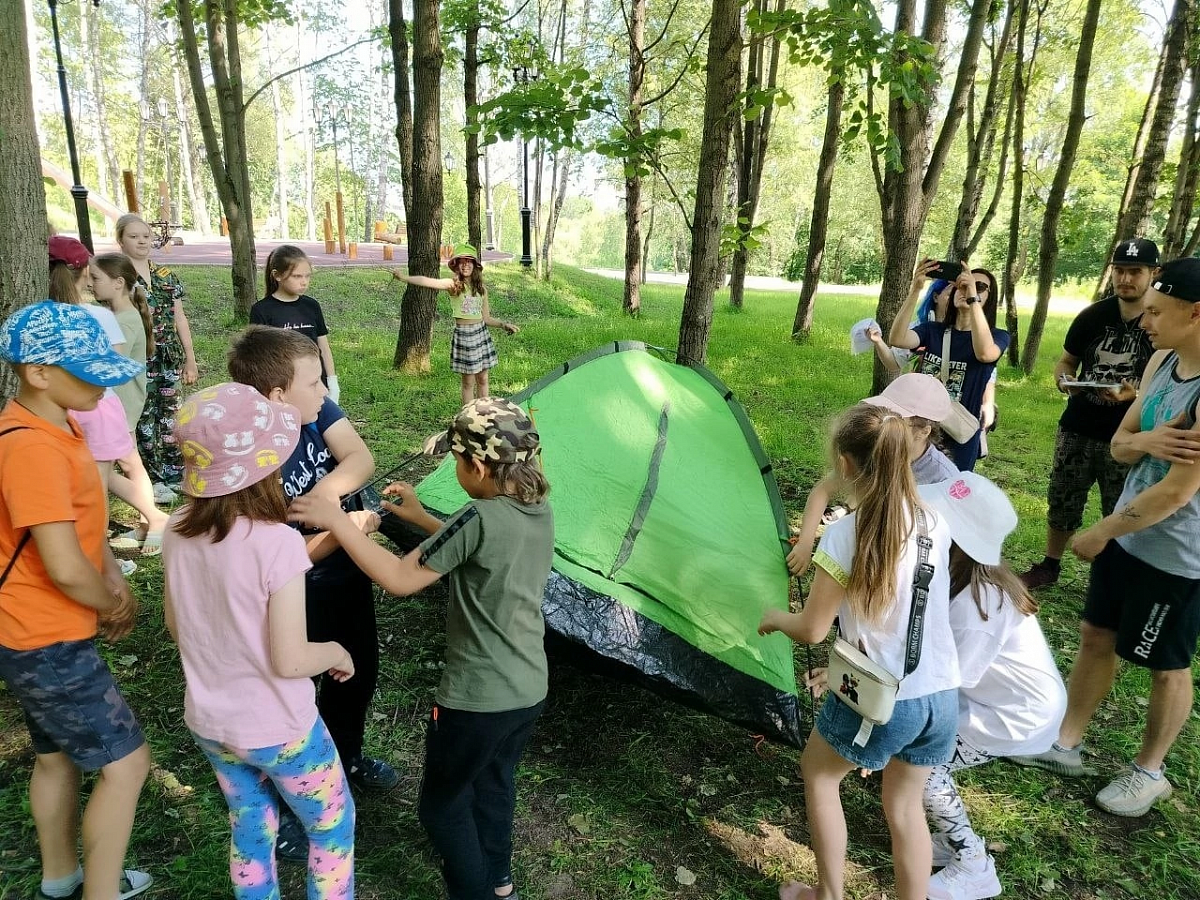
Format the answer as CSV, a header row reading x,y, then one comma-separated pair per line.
x,y
922,578
25,537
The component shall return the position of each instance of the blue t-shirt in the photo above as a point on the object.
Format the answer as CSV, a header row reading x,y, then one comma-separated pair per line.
x,y
311,461
968,377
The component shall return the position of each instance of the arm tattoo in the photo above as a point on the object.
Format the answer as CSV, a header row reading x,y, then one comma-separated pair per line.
x,y
1129,513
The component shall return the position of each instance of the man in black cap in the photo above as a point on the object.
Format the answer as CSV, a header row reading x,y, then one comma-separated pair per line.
x,y
1143,599
1105,345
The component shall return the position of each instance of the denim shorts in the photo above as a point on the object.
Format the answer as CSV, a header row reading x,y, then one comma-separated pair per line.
x,y
71,703
921,731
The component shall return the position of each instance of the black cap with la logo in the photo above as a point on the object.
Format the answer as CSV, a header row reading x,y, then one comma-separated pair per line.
x,y
1136,252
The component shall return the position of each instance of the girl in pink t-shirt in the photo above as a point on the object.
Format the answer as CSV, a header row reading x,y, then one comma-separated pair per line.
x,y
235,605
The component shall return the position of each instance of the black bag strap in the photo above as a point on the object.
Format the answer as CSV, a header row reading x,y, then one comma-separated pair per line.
x,y
25,537
922,578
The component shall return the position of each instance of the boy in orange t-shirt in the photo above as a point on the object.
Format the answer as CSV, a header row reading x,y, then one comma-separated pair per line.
x,y
60,585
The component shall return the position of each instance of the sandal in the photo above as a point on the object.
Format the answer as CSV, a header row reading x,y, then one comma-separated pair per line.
x,y
126,540
152,545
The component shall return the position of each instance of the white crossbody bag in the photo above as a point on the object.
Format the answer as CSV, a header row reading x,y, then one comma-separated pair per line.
x,y
865,686
960,426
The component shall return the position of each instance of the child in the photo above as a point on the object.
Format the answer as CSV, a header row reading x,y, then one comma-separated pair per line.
x,y
497,552
331,460
234,593
923,402
1012,697
172,364
115,284
60,586
285,305
866,564
472,352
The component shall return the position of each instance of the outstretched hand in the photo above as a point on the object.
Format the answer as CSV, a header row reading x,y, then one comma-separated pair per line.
x,y
316,511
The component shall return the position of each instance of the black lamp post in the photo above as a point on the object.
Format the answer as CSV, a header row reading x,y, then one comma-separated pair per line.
x,y
78,191
522,75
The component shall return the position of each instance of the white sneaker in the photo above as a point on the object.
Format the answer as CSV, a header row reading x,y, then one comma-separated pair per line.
x,y
133,883
1133,793
966,879
943,851
163,495
128,567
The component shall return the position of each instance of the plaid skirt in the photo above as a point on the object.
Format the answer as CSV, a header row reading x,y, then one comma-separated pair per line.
x,y
471,349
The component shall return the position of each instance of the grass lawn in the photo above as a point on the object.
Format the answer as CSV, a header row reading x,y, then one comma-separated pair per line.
x,y
623,795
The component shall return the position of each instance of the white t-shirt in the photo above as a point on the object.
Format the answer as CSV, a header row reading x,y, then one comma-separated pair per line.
x,y
885,642
220,596
1012,697
112,328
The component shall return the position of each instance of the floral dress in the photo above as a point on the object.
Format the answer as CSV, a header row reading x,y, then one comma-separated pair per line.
x,y
155,437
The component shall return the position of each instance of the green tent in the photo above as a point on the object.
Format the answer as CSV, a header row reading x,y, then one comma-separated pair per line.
x,y
669,532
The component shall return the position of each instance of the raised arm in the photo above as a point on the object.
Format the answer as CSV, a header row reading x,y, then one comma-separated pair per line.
x,y
900,334
438,284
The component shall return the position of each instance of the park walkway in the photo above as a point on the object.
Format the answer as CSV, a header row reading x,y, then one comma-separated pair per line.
x,y
214,251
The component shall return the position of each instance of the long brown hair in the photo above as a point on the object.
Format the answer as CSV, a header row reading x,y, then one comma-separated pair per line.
x,y
118,265
263,501
967,573
477,288
877,442
64,283
282,260
990,305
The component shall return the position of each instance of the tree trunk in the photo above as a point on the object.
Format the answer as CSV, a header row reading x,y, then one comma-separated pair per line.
x,y
197,201
227,156
1183,197
631,300
907,192
425,211
1048,252
1014,261
558,194
143,97
398,31
281,168
981,142
1146,169
23,273
721,85
107,170
819,226
471,99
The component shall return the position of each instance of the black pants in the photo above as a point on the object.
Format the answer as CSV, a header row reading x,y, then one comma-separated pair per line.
x,y
343,610
468,794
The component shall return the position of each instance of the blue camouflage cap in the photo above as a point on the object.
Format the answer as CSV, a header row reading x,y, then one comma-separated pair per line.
x,y
67,336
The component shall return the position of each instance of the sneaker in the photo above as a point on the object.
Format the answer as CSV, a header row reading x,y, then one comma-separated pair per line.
x,y
163,495
1040,575
1133,793
965,879
1057,760
291,845
76,894
943,851
133,883
371,774
128,567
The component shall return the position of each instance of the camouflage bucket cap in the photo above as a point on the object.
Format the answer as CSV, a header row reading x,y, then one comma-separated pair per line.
x,y
490,429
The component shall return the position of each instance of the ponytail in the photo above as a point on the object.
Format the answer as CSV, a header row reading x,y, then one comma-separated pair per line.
x,y
877,442
118,265
64,283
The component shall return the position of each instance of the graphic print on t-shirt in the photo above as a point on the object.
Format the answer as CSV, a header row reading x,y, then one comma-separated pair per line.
x,y
1111,358
931,364
472,307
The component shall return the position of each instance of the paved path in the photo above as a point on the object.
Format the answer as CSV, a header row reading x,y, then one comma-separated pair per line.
x,y
212,251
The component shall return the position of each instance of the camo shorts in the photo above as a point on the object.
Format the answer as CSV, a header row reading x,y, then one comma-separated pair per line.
x,y
71,703
1080,462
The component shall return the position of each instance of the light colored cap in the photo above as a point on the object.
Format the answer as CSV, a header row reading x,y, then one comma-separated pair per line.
x,y
979,514
915,394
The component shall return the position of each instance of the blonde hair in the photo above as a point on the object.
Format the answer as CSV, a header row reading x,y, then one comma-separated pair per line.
x,y
118,265
125,221
966,572
877,442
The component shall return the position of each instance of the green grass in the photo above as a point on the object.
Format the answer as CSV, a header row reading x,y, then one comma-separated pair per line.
x,y
619,789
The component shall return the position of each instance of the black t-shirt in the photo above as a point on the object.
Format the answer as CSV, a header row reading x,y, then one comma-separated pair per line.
x,y
1110,350
302,314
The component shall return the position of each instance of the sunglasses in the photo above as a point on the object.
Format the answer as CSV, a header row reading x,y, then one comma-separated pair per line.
x,y
982,287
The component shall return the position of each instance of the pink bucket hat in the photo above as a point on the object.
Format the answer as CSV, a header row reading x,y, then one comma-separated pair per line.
x,y
915,394
231,437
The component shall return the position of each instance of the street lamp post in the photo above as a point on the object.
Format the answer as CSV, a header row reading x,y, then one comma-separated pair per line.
x,y
522,75
487,195
78,191
335,114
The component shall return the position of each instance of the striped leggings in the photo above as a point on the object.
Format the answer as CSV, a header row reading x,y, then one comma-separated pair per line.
x,y
306,775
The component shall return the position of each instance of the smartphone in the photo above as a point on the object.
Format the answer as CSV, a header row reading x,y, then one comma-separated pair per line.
x,y
946,270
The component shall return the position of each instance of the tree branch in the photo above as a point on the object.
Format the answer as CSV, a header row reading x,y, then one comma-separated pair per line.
x,y
674,194
308,65
682,71
666,26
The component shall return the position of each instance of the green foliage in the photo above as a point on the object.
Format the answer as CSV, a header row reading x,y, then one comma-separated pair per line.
x,y
551,108
740,235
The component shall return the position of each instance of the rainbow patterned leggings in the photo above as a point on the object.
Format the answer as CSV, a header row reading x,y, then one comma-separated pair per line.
x,y
308,776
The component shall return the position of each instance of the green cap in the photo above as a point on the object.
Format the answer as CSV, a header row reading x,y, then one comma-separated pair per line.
x,y
490,429
466,251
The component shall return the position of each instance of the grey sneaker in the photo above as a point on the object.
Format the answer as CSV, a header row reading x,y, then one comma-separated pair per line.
x,y
1058,760
966,879
163,495
1133,793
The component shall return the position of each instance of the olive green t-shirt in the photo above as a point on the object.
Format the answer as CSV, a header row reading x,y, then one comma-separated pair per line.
x,y
497,555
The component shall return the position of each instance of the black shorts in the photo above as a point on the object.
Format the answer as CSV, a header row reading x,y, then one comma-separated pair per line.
x,y
71,703
1155,614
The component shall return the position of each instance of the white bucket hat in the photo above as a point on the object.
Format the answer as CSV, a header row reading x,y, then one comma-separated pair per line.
x,y
979,514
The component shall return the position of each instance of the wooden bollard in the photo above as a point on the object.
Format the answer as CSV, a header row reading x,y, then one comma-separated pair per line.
x,y
131,197
387,252
352,250
224,227
330,246
328,228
